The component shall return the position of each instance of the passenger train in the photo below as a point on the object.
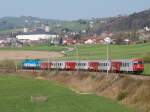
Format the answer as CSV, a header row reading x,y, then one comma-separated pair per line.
x,y
117,66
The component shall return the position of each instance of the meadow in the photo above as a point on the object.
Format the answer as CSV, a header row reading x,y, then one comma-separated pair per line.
x,y
94,52
16,92
37,48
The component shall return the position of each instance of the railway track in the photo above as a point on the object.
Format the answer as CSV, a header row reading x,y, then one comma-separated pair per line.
x,y
134,76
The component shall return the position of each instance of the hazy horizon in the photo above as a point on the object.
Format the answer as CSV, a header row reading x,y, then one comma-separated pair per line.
x,y
71,10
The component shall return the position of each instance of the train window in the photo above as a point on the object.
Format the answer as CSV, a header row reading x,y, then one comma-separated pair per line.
x,y
128,64
140,62
135,63
122,64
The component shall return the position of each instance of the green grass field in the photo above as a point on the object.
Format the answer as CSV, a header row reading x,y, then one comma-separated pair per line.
x,y
37,48
16,92
147,69
94,51
115,51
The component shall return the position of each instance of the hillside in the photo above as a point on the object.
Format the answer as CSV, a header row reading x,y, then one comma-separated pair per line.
x,y
9,23
122,23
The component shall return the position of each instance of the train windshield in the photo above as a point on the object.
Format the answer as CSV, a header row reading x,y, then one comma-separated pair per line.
x,y
139,62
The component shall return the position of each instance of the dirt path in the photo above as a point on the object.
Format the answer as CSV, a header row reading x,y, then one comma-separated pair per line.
x,y
29,54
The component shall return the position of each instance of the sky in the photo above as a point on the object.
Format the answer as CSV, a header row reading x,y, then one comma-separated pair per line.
x,y
71,9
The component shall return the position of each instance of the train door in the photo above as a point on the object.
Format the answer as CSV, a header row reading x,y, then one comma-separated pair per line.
x,y
45,65
70,65
94,66
116,66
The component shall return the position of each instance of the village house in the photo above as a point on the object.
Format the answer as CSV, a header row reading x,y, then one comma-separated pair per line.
x,y
69,41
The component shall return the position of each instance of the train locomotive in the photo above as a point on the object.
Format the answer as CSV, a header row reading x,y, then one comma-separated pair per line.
x,y
135,66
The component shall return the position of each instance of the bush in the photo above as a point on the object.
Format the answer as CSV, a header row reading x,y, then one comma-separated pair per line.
x,y
8,64
122,95
147,57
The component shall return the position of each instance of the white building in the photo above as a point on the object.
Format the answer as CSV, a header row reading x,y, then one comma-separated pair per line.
x,y
89,41
35,36
107,40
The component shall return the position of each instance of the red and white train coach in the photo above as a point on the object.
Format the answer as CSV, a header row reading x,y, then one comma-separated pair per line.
x,y
124,65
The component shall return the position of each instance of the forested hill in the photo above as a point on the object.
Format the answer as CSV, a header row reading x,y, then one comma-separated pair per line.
x,y
120,23
132,22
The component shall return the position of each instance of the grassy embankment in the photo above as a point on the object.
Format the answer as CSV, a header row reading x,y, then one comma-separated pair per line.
x,y
16,95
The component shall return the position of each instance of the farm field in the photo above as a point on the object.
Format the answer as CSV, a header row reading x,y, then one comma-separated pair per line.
x,y
16,95
36,48
147,69
94,52
19,55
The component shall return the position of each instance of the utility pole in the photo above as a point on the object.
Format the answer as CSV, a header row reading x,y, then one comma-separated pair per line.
x,y
107,59
107,40
77,57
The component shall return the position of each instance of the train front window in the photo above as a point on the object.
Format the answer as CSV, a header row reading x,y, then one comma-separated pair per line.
x,y
140,62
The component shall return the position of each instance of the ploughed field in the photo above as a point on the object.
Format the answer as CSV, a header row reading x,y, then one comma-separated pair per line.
x,y
18,55
16,92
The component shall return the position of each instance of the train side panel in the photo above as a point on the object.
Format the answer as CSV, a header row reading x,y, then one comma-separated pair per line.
x,y
94,66
31,64
59,65
45,65
82,65
70,65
